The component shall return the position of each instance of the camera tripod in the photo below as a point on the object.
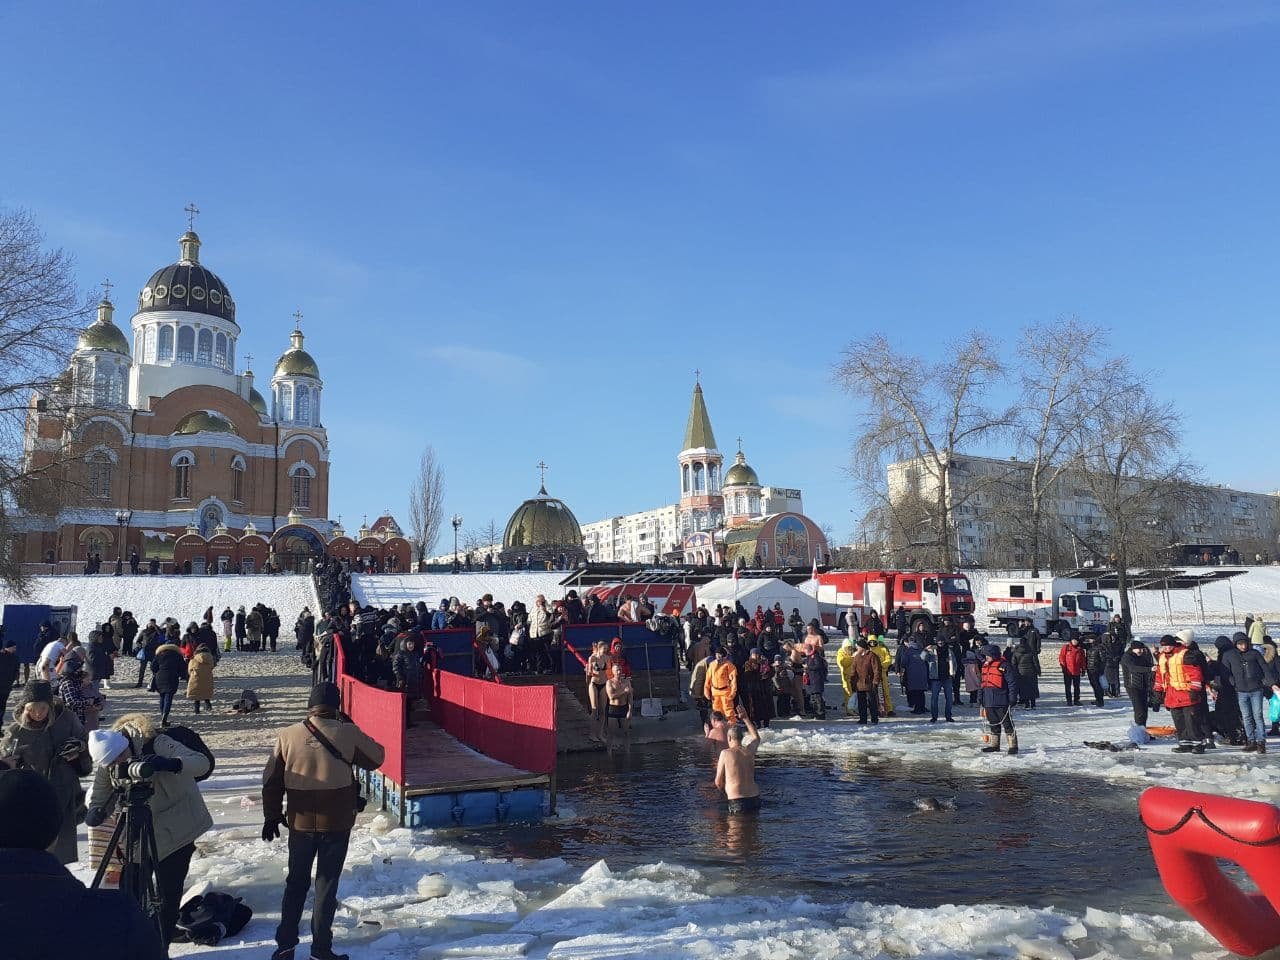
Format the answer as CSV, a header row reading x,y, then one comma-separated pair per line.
x,y
135,828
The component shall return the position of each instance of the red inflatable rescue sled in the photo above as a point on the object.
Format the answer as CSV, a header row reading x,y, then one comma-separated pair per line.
x,y
1189,832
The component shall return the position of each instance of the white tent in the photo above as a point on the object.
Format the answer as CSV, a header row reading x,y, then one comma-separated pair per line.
x,y
753,593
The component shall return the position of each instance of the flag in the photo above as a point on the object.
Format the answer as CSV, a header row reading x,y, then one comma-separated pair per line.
x,y
814,574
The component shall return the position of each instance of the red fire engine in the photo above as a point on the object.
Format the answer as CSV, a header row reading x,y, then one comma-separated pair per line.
x,y
928,595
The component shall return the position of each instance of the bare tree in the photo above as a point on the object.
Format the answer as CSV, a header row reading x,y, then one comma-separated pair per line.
x,y
926,413
1058,362
481,538
1128,451
426,503
41,312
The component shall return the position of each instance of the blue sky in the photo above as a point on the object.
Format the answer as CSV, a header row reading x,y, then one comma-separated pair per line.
x,y
516,229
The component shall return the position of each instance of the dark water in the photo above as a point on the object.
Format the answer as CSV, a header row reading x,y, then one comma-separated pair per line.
x,y
850,829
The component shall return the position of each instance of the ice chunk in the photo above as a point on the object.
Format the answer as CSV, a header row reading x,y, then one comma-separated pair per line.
x,y
381,824
1076,931
433,885
485,945
1040,949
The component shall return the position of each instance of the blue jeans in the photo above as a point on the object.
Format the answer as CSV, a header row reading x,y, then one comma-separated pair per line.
x,y
1254,712
166,704
936,687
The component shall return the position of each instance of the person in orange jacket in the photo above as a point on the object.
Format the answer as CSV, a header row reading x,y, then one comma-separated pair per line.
x,y
1181,682
722,685
1072,660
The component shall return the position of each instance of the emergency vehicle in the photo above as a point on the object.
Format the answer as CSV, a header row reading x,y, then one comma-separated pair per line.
x,y
1054,604
926,596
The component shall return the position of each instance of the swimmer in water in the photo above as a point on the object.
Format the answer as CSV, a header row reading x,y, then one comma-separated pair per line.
x,y
736,769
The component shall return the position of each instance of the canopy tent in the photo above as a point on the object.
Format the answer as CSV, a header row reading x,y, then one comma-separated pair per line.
x,y
753,593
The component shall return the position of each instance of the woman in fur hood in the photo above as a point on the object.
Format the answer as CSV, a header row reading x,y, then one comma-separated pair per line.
x,y
178,811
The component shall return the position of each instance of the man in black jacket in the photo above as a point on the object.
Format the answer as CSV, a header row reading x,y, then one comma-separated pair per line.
x,y
1139,679
34,884
1253,678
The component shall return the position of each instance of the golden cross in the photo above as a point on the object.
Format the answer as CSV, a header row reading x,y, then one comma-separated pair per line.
x,y
192,212
297,319
542,470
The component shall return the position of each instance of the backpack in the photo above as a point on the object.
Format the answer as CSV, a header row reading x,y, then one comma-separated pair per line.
x,y
189,739
247,703
209,918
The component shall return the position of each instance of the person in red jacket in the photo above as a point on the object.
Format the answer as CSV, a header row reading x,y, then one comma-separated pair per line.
x,y
1072,660
1181,681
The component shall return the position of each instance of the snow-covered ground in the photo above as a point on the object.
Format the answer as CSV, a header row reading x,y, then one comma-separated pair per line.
x,y
384,589
185,598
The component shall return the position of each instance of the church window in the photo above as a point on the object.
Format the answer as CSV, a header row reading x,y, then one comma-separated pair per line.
x,y
304,405
100,476
102,391
148,352
94,544
285,403
220,350
237,482
739,504
699,478
166,343
755,505
204,347
684,479
302,491
186,344
182,478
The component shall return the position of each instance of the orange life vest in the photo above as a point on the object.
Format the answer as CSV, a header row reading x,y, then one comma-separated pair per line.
x,y
993,674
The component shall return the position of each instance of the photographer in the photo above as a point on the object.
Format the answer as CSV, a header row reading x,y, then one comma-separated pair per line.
x,y
46,737
178,813
311,765
36,891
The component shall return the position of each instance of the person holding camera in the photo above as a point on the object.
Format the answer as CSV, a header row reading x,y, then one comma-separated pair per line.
x,y
178,812
46,737
311,767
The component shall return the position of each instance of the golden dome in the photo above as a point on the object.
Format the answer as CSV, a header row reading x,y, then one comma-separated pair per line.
x,y
542,521
296,362
741,474
203,421
257,401
103,334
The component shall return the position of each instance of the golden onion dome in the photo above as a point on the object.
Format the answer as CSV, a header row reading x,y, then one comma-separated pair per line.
x,y
203,421
103,334
741,474
257,401
296,362
542,521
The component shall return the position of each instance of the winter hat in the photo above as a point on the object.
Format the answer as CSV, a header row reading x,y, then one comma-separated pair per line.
x,y
1168,641
863,645
755,651
848,642
29,811
38,691
106,745
991,650
325,695
1222,643
1137,645
1186,635
1240,638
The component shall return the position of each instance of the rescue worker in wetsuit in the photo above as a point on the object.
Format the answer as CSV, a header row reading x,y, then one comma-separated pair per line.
x,y
1182,685
999,694
722,685
736,769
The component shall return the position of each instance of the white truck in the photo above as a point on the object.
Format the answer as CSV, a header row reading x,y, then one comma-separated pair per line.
x,y
1060,605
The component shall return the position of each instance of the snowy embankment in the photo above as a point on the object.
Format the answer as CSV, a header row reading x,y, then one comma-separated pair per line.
x,y
384,589
184,598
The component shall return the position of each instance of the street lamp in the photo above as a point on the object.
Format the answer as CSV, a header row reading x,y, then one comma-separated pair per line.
x,y
122,521
457,523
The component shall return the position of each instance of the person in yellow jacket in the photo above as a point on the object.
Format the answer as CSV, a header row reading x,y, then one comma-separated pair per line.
x,y
844,660
886,659
722,685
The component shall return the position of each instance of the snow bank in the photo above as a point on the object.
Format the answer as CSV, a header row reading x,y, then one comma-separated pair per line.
x,y
184,598
1050,738
384,589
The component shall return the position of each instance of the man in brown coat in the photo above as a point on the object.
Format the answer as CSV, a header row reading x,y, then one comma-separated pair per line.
x,y
311,765
866,682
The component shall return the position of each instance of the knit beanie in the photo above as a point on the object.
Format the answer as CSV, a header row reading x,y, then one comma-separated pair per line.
x,y
38,691
29,811
1186,635
106,745
325,695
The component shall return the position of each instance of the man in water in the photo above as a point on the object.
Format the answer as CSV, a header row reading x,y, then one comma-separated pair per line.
x,y
736,769
619,693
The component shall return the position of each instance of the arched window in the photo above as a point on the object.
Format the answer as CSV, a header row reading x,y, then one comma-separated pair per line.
x,y
739,504
303,404
204,347
231,354
100,476
121,384
220,350
148,353
699,478
186,344
302,474
102,387
166,344
237,480
182,478
285,403
684,479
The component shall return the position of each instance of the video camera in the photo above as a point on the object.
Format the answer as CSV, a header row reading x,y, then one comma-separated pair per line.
x,y
128,771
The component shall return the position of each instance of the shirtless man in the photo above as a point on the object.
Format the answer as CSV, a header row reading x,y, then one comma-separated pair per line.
x,y
619,693
597,673
736,770
717,729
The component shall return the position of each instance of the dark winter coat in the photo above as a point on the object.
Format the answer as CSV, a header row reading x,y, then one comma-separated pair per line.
x,y
1113,648
815,672
206,635
8,668
1139,670
1032,636
33,884
1027,666
38,748
100,664
168,669
912,667
1095,662
239,628
998,695
407,667
1248,671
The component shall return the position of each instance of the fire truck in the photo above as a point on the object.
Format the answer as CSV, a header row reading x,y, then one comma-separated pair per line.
x,y
926,596
1054,604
